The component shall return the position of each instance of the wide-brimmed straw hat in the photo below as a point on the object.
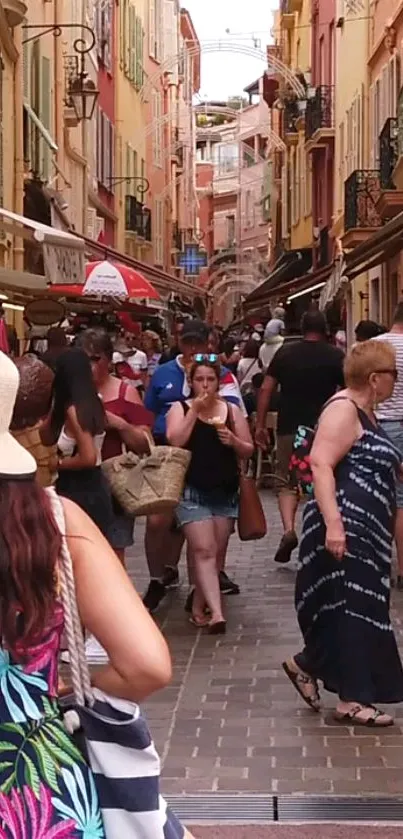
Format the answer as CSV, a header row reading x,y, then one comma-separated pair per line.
x,y
15,461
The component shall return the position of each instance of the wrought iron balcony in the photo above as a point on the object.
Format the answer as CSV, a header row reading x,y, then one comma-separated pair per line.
x,y
138,218
361,193
388,153
291,114
177,237
319,111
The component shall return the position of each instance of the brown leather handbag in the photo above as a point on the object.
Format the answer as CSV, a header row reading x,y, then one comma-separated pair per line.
x,y
251,518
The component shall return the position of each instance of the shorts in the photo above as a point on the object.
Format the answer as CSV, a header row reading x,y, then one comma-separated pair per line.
x,y
197,505
394,430
285,445
120,532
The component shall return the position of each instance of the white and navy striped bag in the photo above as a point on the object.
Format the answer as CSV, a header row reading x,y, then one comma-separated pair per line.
x,y
118,744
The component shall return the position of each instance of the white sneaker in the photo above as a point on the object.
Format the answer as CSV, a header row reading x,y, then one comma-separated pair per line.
x,y
94,653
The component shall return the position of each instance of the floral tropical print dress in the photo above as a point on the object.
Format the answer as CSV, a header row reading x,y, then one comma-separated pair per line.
x,y
46,788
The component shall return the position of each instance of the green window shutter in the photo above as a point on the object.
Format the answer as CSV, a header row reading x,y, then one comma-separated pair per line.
x,y
45,114
132,29
26,64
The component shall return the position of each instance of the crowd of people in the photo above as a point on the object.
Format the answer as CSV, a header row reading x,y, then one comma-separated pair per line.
x,y
89,400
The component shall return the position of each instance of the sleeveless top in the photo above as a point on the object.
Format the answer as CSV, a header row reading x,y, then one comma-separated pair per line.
x,y
67,445
133,413
213,466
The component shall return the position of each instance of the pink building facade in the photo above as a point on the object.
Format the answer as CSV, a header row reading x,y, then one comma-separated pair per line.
x,y
320,125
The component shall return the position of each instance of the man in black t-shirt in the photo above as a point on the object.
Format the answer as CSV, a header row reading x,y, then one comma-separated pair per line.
x,y
308,373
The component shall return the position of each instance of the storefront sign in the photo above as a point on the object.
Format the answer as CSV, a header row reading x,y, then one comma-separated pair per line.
x,y
63,265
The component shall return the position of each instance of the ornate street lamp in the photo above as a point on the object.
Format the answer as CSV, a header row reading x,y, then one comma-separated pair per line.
x,y
83,95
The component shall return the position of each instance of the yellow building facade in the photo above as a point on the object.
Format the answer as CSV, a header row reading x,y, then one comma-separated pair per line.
x,y
351,129
295,43
130,124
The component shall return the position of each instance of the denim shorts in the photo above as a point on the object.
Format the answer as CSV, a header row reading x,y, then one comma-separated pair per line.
x,y
394,430
203,506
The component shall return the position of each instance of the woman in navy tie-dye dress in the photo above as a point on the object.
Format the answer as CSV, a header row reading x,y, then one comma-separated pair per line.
x,y
343,582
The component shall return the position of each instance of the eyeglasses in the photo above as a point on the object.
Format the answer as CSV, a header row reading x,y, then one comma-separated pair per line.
x,y
199,358
391,370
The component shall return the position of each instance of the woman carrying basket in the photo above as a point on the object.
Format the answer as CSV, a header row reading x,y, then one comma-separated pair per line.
x,y
216,434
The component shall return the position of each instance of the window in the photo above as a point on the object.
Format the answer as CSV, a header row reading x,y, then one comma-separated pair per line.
x,y
158,231
45,117
230,231
227,158
105,151
284,203
157,140
322,60
308,186
103,30
155,28
342,169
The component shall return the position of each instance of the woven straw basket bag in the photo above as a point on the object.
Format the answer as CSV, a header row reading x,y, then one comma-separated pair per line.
x,y
45,456
147,484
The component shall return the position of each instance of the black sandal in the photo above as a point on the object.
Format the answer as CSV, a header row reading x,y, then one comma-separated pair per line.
x,y
298,679
351,717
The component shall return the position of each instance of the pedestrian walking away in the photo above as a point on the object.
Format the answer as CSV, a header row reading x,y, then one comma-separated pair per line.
x,y
308,372
343,582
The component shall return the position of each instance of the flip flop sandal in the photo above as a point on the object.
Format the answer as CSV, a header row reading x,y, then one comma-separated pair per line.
x,y
200,623
299,679
217,628
352,717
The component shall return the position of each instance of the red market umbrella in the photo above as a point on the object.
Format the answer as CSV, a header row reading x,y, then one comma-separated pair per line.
x,y
110,279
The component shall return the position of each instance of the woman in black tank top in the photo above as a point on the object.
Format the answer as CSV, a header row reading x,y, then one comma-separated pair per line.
x,y
217,435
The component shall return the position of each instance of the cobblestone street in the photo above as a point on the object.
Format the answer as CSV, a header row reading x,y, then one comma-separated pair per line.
x,y
231,723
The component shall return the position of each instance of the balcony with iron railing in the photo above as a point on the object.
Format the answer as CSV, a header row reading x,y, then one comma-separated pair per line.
x,y
398,170
390,201
319,117
361,193
138,218
291,114
177,237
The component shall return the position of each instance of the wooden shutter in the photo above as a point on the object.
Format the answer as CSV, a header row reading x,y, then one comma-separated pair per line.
x,y
284,203
151,28
44,116
139,54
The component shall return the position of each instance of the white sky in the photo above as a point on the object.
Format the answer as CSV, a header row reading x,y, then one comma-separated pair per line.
x,y
227,73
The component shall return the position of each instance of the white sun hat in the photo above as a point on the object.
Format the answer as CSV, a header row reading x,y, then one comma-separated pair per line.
x,y
15,461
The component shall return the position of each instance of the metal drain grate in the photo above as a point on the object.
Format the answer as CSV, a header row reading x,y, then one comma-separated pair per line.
x,y
195,809
339,809
263,809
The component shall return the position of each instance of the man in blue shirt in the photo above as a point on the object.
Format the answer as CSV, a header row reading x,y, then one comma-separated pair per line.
x,y
169,384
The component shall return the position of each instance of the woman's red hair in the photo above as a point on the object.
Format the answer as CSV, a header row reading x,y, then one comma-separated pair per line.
x,y
30,544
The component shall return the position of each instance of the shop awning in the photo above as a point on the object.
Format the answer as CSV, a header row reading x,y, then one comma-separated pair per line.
x,y
290,265
384,243
43,234
309,282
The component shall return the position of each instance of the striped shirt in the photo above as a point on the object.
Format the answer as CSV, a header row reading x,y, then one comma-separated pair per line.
x,y
392,409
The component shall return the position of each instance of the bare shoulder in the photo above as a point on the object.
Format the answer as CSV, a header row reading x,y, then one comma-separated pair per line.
x,y
78,523
132,395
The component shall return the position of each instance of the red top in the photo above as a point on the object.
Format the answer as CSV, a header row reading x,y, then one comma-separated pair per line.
x,y
129,411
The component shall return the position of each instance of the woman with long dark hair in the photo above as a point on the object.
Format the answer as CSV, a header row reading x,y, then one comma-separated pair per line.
x,y
46,786
77,423
216,434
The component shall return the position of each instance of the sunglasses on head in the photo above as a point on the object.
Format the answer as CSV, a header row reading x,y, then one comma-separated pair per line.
x,y
391,370
200,357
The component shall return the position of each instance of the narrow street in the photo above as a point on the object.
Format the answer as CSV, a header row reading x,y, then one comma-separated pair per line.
x,y
231,724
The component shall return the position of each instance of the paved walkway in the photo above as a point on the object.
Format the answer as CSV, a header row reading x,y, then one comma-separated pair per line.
x,y
295,832
231,723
